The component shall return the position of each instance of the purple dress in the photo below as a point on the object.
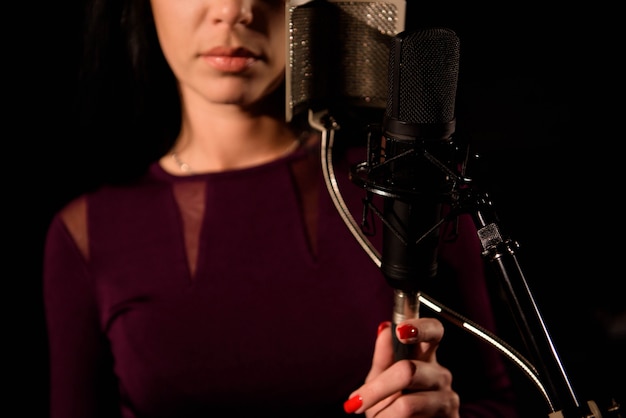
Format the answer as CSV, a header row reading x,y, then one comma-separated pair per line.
x,y
239,293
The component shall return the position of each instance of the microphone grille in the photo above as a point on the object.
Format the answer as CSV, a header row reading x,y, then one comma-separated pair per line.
x,y
423,76
338,52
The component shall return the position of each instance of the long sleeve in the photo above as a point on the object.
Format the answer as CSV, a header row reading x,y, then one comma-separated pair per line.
x,y
77,347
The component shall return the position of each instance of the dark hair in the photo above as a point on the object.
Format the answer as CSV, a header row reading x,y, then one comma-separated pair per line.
x,y
127,99
126,28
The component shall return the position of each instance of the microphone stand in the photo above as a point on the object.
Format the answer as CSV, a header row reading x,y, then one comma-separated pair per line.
x,y
546,370
501,252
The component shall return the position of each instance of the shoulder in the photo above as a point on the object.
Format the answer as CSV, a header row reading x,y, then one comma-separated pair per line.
x,y
109,201
74,217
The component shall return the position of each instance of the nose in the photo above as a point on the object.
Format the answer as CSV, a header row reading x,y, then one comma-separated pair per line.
x,y
231,12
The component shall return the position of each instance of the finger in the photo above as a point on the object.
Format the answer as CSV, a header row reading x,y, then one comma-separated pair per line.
x,y
443,403
383,351
427,332
422,330
400,376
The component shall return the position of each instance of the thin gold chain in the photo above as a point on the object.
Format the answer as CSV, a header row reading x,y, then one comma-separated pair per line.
x,y
181,164
186,168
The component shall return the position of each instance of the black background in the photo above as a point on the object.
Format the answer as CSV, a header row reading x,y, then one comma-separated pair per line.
x,y
538,92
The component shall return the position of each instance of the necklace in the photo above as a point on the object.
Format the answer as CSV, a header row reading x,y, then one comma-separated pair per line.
x,y
181,164
186,168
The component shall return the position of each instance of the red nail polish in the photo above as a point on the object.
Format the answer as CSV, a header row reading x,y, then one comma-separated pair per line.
x,y
382,326
352,404
407,332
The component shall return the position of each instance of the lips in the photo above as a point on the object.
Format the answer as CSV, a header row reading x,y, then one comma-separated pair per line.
x,y
230,60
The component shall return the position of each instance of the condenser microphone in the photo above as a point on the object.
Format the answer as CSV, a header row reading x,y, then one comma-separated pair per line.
x,y
418,126
417,129
337,53
418,157
413,165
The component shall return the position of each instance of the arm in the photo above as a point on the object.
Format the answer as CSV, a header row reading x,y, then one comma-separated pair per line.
x,y
80,370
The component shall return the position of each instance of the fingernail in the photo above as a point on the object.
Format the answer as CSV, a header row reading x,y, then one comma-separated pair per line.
x,y
382,326
352,404
407,332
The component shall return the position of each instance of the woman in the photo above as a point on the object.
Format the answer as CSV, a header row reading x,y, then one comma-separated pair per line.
x,y
222,281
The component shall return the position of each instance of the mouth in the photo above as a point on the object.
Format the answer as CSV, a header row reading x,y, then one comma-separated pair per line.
x,y
228,52
230,60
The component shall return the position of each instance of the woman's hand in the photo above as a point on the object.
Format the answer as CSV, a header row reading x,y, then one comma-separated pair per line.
x,y
419,387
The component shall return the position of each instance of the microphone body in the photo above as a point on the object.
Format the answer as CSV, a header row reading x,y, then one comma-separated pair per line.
x,y
417,150
417,156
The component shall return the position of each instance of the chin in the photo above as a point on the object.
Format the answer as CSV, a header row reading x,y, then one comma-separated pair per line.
x,y
241,94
